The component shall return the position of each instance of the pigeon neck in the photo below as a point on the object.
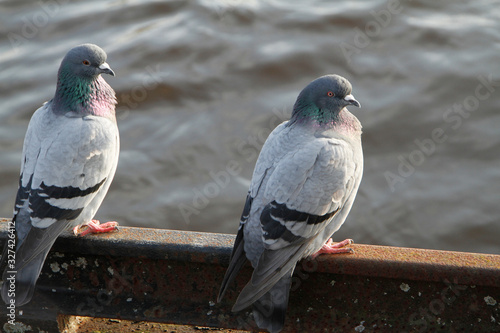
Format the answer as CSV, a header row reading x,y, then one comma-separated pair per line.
x,y
309,113
342,120
86,96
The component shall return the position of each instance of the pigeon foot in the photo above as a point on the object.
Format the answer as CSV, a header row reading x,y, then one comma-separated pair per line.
x,y
94,227
334,248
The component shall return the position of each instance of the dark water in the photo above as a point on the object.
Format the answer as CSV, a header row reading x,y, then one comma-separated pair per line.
x,y
202,83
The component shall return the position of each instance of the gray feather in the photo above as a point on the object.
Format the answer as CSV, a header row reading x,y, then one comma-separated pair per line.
x,y
270,310
30,256
273,266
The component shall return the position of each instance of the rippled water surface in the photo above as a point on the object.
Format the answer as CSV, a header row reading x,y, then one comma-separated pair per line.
x,y
202,83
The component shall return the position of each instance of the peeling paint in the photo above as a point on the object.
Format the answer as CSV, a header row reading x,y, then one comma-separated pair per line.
x,y
18,327
490,300
404,287
81,262
360,327
55,267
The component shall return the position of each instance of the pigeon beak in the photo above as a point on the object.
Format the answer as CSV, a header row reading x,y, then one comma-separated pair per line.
x,y
104,68
352,101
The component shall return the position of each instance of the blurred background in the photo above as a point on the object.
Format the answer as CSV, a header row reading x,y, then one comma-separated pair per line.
x,y
201,84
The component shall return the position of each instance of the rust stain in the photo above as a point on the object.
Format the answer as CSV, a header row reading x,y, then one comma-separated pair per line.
x,y
415,264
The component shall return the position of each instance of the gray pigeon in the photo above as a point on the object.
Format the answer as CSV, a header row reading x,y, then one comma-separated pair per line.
x,y
303,186
69,159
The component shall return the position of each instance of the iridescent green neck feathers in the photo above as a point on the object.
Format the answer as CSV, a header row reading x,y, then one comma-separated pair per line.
x,y
83,95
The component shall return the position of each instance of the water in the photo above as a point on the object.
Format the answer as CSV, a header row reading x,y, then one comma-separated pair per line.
x,y
202,83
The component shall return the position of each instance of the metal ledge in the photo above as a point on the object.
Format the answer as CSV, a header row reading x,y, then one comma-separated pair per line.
x,y
167,276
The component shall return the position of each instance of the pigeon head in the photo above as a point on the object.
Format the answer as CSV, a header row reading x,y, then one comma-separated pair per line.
x,y
324,98
80,87
87,60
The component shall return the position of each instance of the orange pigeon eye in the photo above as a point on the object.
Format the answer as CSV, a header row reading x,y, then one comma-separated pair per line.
x,y
330,94
86,62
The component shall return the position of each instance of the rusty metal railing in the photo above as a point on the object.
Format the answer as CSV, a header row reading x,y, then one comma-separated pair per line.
x,y
167,276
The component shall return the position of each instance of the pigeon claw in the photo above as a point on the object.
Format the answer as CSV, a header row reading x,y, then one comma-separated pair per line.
x,y
94,227
334,248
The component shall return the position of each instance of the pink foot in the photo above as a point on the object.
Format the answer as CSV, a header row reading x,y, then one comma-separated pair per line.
x,y
334,248
94,227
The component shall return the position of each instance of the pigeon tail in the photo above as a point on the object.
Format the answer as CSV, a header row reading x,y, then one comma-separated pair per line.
x,y
29,258
269,311
238,259
19,286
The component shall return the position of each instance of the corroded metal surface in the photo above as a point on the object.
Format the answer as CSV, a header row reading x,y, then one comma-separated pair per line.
x,y
416,264
174,276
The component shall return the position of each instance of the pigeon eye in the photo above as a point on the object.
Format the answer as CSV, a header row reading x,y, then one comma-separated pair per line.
x,y
86,62
330,94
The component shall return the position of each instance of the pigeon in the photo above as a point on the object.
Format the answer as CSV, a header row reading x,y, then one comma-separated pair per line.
x,y
69,159
303,187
